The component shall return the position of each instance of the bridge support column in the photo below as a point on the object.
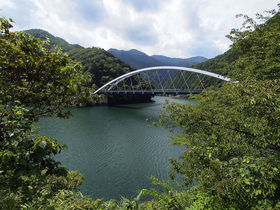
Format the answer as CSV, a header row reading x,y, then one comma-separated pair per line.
x,y
104,100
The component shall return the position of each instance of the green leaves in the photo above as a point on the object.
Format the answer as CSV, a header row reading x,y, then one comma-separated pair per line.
x,y
33,82
232,135
35,76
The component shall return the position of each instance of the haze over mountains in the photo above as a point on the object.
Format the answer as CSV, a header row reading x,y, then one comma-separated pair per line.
x,y
137,59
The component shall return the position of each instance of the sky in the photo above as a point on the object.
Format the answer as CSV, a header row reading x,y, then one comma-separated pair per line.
x,y
174,28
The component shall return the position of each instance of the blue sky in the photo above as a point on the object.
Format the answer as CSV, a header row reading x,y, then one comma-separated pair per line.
x,y
174,28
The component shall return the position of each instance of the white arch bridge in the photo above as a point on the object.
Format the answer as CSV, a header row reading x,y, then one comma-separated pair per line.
x,y
162,80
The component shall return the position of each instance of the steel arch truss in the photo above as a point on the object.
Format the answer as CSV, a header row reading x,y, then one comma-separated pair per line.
x,y
162,80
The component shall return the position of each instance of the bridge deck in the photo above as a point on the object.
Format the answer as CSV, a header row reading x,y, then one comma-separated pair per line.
x,y
151,92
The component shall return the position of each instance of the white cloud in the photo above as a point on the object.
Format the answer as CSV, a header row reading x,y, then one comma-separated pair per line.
x,y
7,4
176,28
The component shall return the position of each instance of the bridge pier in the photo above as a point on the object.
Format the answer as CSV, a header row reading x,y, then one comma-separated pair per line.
x,y
104,100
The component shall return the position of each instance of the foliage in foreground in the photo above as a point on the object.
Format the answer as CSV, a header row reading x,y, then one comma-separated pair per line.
x,y
233,134
33,82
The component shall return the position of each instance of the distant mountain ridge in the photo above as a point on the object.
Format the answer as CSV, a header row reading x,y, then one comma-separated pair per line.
x,y
54,41
137,59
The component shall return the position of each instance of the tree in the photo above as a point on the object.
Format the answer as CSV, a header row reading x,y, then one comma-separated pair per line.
x,y
33,82
232,136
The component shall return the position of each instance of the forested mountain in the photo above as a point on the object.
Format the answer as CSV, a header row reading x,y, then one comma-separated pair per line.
x,y
218,63
179,61
101,65
137,59
54,41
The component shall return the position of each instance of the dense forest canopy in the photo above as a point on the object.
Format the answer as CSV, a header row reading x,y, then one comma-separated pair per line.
x,y
232,136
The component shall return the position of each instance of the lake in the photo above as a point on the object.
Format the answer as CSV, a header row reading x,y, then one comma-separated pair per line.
x,y
113,147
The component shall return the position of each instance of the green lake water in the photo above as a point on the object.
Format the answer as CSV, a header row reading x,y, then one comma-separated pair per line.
x,y
113,147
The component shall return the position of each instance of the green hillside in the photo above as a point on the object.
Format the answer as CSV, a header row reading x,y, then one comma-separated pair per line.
x,y
100,64
54,41
218,63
